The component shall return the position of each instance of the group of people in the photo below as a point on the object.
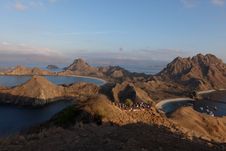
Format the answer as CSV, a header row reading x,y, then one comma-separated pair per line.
x,y
135,106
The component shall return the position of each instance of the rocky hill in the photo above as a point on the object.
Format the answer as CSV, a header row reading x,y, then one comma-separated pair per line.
x,y
80,67
200,72
127,90
39,91
21,70
110,73
36,91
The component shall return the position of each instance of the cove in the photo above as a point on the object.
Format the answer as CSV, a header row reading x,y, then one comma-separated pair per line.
x,y
216,107
13,119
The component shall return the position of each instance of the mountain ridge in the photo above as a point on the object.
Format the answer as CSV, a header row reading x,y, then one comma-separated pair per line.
x,y
200,72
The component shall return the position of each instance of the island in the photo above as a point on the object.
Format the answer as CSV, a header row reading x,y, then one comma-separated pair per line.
x,y
52,67
125,107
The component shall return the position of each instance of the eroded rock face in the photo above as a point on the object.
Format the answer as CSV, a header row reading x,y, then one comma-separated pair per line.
x,y
200,72
127,90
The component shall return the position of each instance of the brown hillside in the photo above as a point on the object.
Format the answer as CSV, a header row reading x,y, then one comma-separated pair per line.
x,y
199,72
200,125
21,70
127,90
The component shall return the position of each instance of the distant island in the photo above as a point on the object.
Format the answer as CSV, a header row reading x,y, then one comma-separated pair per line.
x,y
124,100
52,67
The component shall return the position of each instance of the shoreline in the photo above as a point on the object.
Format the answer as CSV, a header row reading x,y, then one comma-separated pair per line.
x,y
79,76
163,102
95,78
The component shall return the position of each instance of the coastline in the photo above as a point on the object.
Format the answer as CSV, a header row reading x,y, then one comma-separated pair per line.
x,y
95,78
163,102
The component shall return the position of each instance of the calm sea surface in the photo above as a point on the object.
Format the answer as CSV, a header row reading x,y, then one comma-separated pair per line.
x,y
17,80
14,119
214,107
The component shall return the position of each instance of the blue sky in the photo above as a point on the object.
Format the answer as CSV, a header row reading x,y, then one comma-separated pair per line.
x,y
127,29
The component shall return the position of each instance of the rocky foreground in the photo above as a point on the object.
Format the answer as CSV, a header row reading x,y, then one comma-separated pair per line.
x,y
96,124
103,118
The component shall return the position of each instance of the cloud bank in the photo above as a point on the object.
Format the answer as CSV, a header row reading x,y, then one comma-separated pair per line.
x,y
25,54
193,3
218,2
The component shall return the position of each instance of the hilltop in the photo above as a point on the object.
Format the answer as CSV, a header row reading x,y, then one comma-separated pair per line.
x,y
110,73
21,70
39,91
201,72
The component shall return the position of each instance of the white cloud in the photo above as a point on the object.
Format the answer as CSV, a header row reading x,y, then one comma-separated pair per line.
x,y
11,53
4,43
218,2
7,47
19,6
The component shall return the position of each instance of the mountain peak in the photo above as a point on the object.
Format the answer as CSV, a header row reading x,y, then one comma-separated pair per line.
x,y
37,87
79,65
206,70
79,60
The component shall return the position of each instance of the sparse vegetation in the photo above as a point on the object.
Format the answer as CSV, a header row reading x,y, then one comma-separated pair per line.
x,y
128,102
66,117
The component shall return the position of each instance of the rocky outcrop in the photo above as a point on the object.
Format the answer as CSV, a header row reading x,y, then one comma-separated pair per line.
x,y
21,70
200,72
127,90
